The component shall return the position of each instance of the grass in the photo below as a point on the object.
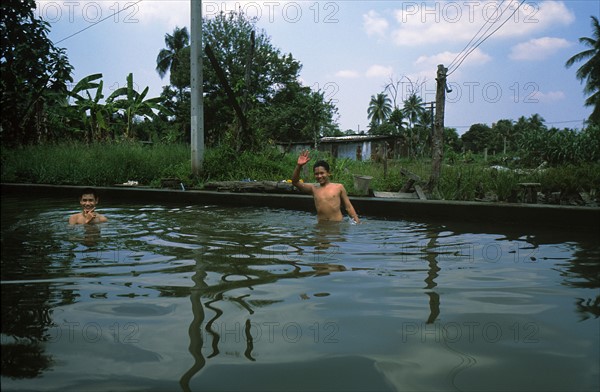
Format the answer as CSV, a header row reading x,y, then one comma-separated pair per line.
x,y
115,163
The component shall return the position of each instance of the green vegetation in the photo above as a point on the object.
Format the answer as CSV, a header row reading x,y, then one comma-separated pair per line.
x,y
38,107
469,177
55,135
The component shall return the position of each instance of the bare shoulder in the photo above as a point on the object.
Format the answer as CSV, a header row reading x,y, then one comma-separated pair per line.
x,y
75,219
339,187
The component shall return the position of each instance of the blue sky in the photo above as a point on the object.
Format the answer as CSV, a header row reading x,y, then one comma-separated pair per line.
x,y
352,49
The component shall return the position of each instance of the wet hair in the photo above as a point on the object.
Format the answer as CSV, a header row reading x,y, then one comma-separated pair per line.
x,y
88,191
322,164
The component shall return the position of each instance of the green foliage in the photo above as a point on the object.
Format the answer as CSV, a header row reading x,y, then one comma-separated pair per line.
x,y
295,113
452,141
33,74
134,104
557,146
570,178
223,163
380,109
590,70
266,86
106,164
477,138
174,58
99,164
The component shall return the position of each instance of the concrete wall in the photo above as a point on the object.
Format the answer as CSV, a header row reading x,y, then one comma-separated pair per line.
x,y
522,216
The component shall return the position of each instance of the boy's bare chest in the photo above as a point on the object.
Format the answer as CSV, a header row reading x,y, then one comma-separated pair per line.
x,y
327,193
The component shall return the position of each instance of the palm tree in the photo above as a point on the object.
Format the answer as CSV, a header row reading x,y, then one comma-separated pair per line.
x,y
380,108
171,58
590,71
413,109
398,120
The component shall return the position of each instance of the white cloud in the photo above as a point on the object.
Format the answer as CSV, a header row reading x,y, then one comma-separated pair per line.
x,y
167,13
538,49
376,71
375,24
347,74
552,96
477,57
441,22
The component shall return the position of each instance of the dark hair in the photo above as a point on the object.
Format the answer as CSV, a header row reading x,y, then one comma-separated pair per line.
x,y
88,191
323,164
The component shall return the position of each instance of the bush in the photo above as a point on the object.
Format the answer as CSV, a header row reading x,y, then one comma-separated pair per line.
x,y
107,164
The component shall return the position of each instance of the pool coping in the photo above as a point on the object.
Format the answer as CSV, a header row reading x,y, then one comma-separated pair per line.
x,y
489,213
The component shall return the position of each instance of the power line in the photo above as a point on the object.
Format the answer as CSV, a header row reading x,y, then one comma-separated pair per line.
x,y
483,40
100,21
476,34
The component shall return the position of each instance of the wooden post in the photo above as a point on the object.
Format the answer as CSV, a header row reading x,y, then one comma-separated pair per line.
x,y
385,162
437,145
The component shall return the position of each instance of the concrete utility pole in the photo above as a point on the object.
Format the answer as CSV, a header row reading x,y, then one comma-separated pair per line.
x,y
437,145
196,79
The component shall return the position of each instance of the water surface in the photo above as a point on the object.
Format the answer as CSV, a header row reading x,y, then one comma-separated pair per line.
x,y
194,297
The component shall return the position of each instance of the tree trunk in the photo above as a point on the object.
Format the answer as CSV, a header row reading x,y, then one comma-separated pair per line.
x,y
438,132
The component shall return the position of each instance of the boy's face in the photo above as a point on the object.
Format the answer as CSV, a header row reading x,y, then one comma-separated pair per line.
x,y
321,175
88,201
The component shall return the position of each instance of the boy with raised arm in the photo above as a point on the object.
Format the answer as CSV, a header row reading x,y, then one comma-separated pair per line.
x,y
328,196
88,201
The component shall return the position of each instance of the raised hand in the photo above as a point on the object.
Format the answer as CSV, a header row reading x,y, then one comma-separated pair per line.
x,y
303,158
89,215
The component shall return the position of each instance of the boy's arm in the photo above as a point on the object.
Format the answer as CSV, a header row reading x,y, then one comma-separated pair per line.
x,y
348,205
302,160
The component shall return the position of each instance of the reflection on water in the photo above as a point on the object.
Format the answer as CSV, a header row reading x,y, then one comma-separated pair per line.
x,y
212,298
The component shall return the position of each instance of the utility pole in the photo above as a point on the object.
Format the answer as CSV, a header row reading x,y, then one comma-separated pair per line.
x,y
437,145
196,79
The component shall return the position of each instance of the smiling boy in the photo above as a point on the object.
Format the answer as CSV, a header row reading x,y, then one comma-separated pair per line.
x,y
88,201
328,196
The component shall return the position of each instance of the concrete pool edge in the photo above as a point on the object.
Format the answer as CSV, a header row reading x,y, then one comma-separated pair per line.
x,y
565,217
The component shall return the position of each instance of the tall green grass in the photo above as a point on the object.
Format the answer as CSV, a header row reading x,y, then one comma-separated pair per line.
x,y
95,164
115,163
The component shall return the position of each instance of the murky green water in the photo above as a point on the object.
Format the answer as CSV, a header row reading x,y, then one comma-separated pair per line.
x,y
212,298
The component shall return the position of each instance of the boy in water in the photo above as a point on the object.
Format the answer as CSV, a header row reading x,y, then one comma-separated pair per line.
x,y
328,196
88,200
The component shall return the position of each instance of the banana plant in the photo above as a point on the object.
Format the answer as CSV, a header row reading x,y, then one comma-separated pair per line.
x,y
134,104
92,112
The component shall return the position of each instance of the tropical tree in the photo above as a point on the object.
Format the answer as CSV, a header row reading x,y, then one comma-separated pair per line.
x,y
590,70
423,130
413,109
179,125
134,104
503,131
296,113
399,121
91,111
477,137
33,73
525,126
452,140
264,81
379,110
175,57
